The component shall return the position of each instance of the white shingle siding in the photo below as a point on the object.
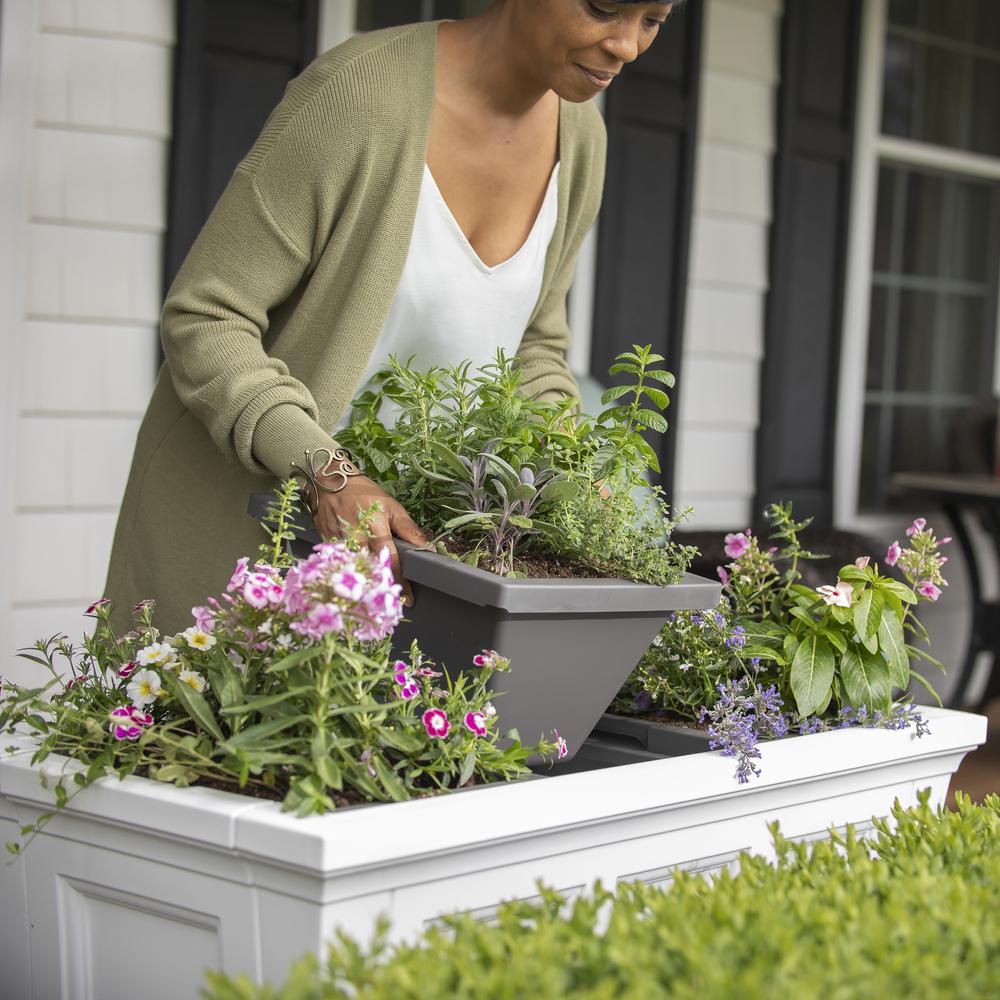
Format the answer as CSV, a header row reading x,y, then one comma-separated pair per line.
x,y
728,279
94,214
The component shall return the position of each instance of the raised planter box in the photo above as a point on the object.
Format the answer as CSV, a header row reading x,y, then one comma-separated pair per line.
x,y
141,883
571,643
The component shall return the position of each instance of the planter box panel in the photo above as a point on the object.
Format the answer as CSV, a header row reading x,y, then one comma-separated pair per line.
x,y
266,887
14,966
660,738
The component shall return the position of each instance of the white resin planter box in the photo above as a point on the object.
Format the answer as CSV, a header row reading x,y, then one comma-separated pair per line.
x,y
141,886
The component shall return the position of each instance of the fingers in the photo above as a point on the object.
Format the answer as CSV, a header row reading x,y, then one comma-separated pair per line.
x,y
381,537
403,526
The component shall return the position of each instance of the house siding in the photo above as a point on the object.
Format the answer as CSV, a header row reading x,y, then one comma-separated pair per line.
x,y
727,286
94,215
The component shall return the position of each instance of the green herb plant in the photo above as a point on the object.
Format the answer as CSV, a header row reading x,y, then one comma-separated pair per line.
x,y
503,478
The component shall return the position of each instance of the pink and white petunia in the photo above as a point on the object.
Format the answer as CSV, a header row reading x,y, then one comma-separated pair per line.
x,y
928,590
126,670
737,544
436,723
562,747
144,687
97,604
840,596
409,689
475,722
400,671
918,525
893,553
127,722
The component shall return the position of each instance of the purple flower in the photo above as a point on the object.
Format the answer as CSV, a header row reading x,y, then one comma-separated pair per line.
x,y
97,604
126,670
409,690
364,759
204,617
348,584
475,722
562,747
928,590
643,701
436,723
401,672
738,638
737,544
918,525
239,574
723,575
492,659
893,553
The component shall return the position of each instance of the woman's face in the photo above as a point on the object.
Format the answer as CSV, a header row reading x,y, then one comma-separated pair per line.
x,y
577,47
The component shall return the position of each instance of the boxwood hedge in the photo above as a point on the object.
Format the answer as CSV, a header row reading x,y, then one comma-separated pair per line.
x,y
912,911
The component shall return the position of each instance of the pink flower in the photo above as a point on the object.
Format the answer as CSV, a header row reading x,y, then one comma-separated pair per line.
x,y
319,621
492,659
126,670
348,584
427,672
562,747
137,609
239,574
364,759
400,672
475,722
436,723
255,594
408,690
127,722
737,544
842,595
918,525
204,619
893,553
928,590
862,561
97,604
723,575
945,540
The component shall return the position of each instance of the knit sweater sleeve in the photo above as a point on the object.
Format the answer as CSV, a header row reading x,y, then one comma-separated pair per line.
x,y
258,245
214,321
541,358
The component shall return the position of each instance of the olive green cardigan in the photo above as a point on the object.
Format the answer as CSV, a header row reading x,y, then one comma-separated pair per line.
x,y
272,319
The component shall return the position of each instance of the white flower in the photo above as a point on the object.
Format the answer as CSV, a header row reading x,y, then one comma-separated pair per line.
x,y
265,627
197,639
144,687
842,595
489,710
193,679
685,667
283,641
237,661
158,654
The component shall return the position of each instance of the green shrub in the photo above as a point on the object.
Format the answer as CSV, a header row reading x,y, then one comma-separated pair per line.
x,y
912,912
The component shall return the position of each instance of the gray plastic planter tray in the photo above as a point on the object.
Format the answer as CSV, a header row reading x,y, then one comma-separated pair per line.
x,y
571,643
660,739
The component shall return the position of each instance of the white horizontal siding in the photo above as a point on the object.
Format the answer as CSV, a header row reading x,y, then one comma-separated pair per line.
x,y
90,177
85,272
108,84
73,462
86,368
31,623
150,19
61,557
728,279
94,214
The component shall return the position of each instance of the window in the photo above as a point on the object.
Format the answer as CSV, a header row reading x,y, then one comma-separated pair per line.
x,y
374,14
932,212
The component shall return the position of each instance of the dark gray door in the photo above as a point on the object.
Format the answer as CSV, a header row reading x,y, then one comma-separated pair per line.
x,y
642,259
232,63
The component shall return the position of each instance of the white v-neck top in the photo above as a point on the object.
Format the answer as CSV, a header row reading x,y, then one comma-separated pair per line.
x,y
449,306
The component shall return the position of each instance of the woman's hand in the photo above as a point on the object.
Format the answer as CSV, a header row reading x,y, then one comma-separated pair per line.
x,y
335,509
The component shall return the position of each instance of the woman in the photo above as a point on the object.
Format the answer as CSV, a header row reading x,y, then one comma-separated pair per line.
x,y
340,237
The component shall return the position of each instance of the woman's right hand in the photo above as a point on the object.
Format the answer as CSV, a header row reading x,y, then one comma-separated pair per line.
x,y
334,510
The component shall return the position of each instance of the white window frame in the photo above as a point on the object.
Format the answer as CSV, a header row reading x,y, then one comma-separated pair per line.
x,y
870,149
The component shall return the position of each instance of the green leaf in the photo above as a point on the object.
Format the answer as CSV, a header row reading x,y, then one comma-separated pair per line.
x,y
328,770
658,396
866,679
900,590
660,375
260,731
389,778
295,659
521,522
651,419
173,772
255,704
836,639
523,492
868,614
559,490
457,522
468,766
400,739
851,572
646,450
893,647
615,392
198,708
812,674
803,616
629,369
